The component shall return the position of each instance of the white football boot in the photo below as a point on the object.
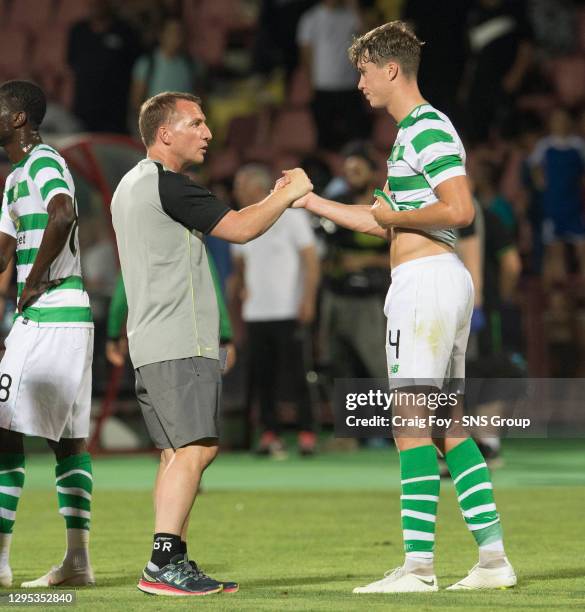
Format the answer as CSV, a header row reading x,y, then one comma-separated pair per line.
x,y
5,577
63,576
487,578
401,581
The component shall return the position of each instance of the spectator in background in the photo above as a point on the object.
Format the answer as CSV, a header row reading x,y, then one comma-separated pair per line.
x,y
275,44
487,178
431,22
101,52
488,250
278,275
324,34
356,280
166,68
531,240
500,56
558,164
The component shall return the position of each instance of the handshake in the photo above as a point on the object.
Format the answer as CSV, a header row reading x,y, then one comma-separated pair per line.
x,y
297,185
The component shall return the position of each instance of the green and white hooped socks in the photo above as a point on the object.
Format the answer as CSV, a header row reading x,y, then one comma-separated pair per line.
x,y
74,481
11,483
420,483
475,495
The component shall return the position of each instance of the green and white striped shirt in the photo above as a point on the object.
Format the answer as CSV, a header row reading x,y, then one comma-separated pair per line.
x,y
426,152
29,188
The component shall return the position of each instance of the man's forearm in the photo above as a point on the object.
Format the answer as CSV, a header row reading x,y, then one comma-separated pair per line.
x,y
352,216
312,275
54,239
256,219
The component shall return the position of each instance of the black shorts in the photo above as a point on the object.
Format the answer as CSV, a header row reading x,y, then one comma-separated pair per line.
x,y
180,400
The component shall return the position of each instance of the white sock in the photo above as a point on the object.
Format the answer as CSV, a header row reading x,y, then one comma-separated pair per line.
x,y
5,541
492,555
77,554
420,563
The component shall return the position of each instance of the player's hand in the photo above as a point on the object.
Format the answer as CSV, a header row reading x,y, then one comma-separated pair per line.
x,y
117,351
231,356
304,201
31,293
383,214
299,185
282,182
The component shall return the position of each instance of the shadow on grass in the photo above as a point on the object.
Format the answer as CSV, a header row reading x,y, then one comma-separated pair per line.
x,y
285,582
304,580
556,574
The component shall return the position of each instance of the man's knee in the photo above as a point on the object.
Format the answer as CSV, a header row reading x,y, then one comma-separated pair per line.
x,y
11,441
66,447
211,453
200,453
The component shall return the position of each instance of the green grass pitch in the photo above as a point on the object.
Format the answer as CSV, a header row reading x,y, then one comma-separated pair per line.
x,y
300,534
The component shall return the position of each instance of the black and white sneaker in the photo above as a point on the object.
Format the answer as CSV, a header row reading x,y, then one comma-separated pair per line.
x,y
228,585
178,579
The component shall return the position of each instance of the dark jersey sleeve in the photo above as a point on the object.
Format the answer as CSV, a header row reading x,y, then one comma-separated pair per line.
x,y
188,203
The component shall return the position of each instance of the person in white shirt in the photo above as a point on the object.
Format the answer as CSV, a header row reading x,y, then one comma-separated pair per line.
x,y
277,275
323,35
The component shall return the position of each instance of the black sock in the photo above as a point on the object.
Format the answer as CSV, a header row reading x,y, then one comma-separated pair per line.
x,y
164,548
183,548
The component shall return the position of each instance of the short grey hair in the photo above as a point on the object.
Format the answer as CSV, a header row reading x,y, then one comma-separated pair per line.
x,y
259,172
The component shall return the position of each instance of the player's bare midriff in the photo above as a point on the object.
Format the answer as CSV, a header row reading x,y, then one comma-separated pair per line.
x,y
406,245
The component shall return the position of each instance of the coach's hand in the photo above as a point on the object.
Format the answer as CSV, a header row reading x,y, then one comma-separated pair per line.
x,y
31,293
304,201
300,184
117,351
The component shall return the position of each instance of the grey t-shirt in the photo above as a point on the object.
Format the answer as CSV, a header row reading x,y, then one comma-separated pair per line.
x,y
160,218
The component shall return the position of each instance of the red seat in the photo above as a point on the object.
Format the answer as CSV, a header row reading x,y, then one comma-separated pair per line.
x,y
285,161
384,133
225,13
71,11
50,50
300,91
14,54
32,15
294,131
223,164
208,45
242,132
568,76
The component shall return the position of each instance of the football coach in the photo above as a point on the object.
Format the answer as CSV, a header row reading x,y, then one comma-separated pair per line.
x,y
161,217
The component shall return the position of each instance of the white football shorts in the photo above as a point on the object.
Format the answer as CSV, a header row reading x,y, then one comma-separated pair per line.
x,y
429,307
45,380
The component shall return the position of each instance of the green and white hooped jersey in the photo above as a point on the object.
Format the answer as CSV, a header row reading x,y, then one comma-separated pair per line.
x,y
29,188
426,152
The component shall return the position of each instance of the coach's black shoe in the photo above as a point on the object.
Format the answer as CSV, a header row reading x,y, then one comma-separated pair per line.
x,y
491,455
228,586
443,469
178,579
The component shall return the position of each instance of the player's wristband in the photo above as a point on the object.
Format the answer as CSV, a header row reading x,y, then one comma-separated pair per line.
x,y
378,193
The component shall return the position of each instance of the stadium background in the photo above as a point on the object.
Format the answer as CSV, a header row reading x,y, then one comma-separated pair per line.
x,y
330,521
